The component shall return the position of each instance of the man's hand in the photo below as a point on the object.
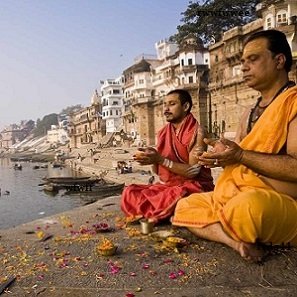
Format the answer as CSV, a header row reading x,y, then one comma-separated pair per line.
x,y
225,152
147,156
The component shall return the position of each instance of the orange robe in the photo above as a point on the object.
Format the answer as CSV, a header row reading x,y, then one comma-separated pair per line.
x,y
248,209
158,201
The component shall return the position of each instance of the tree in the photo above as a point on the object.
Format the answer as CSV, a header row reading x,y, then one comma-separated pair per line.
x,y
209,20
42,126
70,109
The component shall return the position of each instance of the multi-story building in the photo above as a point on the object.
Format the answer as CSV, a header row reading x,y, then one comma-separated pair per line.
x,y
191,73
11,135
212,77
85,126
14,133
147,81
138,119
57,135
112,103
228,94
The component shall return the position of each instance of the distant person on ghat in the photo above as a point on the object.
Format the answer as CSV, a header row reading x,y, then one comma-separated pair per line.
x,y
254,200
175,162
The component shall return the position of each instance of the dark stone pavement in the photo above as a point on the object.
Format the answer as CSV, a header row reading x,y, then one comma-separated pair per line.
x,y
67,264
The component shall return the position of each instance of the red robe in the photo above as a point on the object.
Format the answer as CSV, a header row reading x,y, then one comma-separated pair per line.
x,y
158,201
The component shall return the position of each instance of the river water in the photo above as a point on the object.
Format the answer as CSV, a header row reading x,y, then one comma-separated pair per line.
x,y
26,200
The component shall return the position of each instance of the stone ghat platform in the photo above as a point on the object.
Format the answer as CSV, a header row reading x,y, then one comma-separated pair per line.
x,y
56,257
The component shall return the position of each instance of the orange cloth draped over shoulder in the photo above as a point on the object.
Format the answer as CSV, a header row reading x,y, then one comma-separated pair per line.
x,y
248,209
158,201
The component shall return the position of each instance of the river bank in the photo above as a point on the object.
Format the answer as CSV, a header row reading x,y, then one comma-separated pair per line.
x,y
100,162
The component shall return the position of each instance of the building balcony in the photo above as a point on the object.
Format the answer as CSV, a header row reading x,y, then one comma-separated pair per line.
x,y
185,69
111,117
236,31
142,100
144,86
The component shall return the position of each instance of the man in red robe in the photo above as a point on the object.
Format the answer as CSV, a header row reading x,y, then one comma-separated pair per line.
x,y
180,143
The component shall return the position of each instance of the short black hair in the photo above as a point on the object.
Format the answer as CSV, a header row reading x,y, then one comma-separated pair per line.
x,y
277,44
183,96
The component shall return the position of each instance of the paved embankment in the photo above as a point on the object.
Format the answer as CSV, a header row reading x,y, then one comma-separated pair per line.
x,y
66,263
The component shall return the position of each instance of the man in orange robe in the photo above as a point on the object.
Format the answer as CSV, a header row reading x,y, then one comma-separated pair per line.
x,y
174,160
255,197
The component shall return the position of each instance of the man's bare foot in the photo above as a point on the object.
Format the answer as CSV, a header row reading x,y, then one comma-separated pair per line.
x,y
250,252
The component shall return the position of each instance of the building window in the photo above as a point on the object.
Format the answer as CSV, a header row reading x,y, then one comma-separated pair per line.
x,y
141,81
191,79
117,113
216,58
190,62
268,23
182,62
281,18
236,70
116,91
111,112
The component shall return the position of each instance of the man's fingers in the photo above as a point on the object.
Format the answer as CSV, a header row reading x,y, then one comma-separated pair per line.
x,y
227,142
210,141
206,161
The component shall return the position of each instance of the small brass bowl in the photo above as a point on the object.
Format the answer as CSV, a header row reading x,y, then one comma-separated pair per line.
x,y
174,241
107,252
146,227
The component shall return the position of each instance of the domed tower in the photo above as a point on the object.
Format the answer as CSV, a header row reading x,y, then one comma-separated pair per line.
x,y
95,99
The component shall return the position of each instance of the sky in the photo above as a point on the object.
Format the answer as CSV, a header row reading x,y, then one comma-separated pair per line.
x,y
53,53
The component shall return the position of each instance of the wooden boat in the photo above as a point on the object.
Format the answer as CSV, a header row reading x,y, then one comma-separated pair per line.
x,y
106,189
50,188
70,180
17,166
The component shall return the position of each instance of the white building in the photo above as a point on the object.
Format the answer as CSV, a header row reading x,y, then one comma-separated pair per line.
x,y
163,74
112,103
57,135
282,15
